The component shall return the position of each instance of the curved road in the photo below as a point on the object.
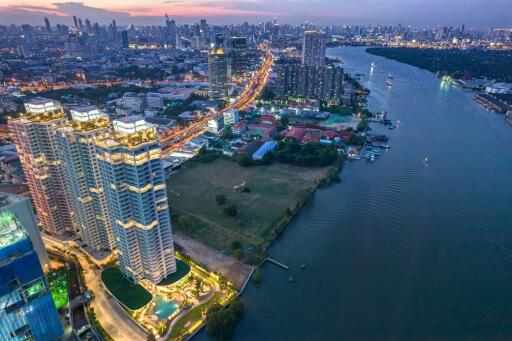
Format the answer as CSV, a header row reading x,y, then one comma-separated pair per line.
x,y
112,317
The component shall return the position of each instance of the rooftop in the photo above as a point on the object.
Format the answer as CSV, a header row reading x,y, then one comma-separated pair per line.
x,y
131,124
10,229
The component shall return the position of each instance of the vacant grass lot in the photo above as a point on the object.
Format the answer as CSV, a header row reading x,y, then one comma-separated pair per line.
x,y
273,192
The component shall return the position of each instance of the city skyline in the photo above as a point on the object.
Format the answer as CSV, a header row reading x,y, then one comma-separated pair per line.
x,y
474,13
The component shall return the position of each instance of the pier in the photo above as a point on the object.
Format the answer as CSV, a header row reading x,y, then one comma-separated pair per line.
x,y
279,264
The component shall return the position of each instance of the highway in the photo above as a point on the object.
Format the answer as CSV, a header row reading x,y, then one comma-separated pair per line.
x,y
173,139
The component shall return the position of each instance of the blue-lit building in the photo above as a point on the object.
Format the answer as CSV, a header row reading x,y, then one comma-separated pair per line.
x,y
27,309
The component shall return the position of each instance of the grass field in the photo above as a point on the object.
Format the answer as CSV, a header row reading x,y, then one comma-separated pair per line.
x,y
274,192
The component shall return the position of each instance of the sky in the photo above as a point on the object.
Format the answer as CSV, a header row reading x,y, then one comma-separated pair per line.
x,y
472,13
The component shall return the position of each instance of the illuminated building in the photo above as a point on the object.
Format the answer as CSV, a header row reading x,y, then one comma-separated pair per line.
x,y
33,133
297,80
216,124
134,184
27,309
218,74
313,48
238,55
77,145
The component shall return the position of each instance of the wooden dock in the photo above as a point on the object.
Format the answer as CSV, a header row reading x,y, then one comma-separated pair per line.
x,y
279,264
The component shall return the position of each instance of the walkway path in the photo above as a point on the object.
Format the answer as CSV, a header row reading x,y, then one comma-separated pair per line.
x,y
112,317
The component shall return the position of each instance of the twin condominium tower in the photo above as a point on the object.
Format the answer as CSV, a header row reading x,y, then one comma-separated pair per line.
x,y
99,180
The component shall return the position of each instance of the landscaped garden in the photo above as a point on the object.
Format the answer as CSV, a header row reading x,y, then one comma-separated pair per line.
x,y
182,269
132,296
59,287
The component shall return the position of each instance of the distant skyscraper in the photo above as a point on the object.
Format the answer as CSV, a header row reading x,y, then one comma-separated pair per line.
x,y
170,30
217,73
80,24
47,25
88,26
75,21
80,170
124,39
296,80
114,29
76,45
313,48
134,183
27,308
33,133
238,55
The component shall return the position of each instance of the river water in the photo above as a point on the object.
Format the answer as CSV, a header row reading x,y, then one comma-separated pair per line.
x,y
400,249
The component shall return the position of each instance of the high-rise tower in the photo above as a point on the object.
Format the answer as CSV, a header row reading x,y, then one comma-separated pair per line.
x,y
313,48
134,183
77,146
33,133
217,73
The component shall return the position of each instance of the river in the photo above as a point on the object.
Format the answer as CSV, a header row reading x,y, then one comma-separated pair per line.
x,y
400,249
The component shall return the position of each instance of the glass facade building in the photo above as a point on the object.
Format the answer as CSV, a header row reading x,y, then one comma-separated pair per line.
x,y
27,309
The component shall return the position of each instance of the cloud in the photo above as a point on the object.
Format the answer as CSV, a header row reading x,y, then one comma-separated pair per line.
x,y
59,12
478,13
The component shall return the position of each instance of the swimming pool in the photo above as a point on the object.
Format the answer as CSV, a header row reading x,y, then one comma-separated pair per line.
x,y
164,308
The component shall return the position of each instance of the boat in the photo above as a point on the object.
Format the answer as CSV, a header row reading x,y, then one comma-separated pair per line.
x,y
390,76
303,266
426,160
372,157
290,279
373,66
389,83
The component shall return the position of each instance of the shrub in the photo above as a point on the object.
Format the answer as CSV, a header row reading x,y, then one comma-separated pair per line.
x,y
220,199
238,253
231,211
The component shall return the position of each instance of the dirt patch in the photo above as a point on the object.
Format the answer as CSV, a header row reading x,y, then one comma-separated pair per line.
x,y
235,271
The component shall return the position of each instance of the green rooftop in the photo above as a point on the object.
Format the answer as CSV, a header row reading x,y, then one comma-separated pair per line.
x,y
132,296
182,269
10,229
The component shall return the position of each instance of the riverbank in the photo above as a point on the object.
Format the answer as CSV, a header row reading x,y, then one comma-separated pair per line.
x,y
457,63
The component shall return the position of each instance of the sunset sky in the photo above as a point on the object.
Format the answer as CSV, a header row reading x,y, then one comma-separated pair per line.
x,y
473,13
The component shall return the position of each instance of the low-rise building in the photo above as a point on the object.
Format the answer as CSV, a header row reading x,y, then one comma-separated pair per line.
x,y
216,124
231,116
239,128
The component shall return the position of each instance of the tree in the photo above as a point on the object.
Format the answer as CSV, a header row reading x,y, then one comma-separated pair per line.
x,y
220,199
220,323
231,211
244,160
236,245
256,276
238,253
268,94
150,337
